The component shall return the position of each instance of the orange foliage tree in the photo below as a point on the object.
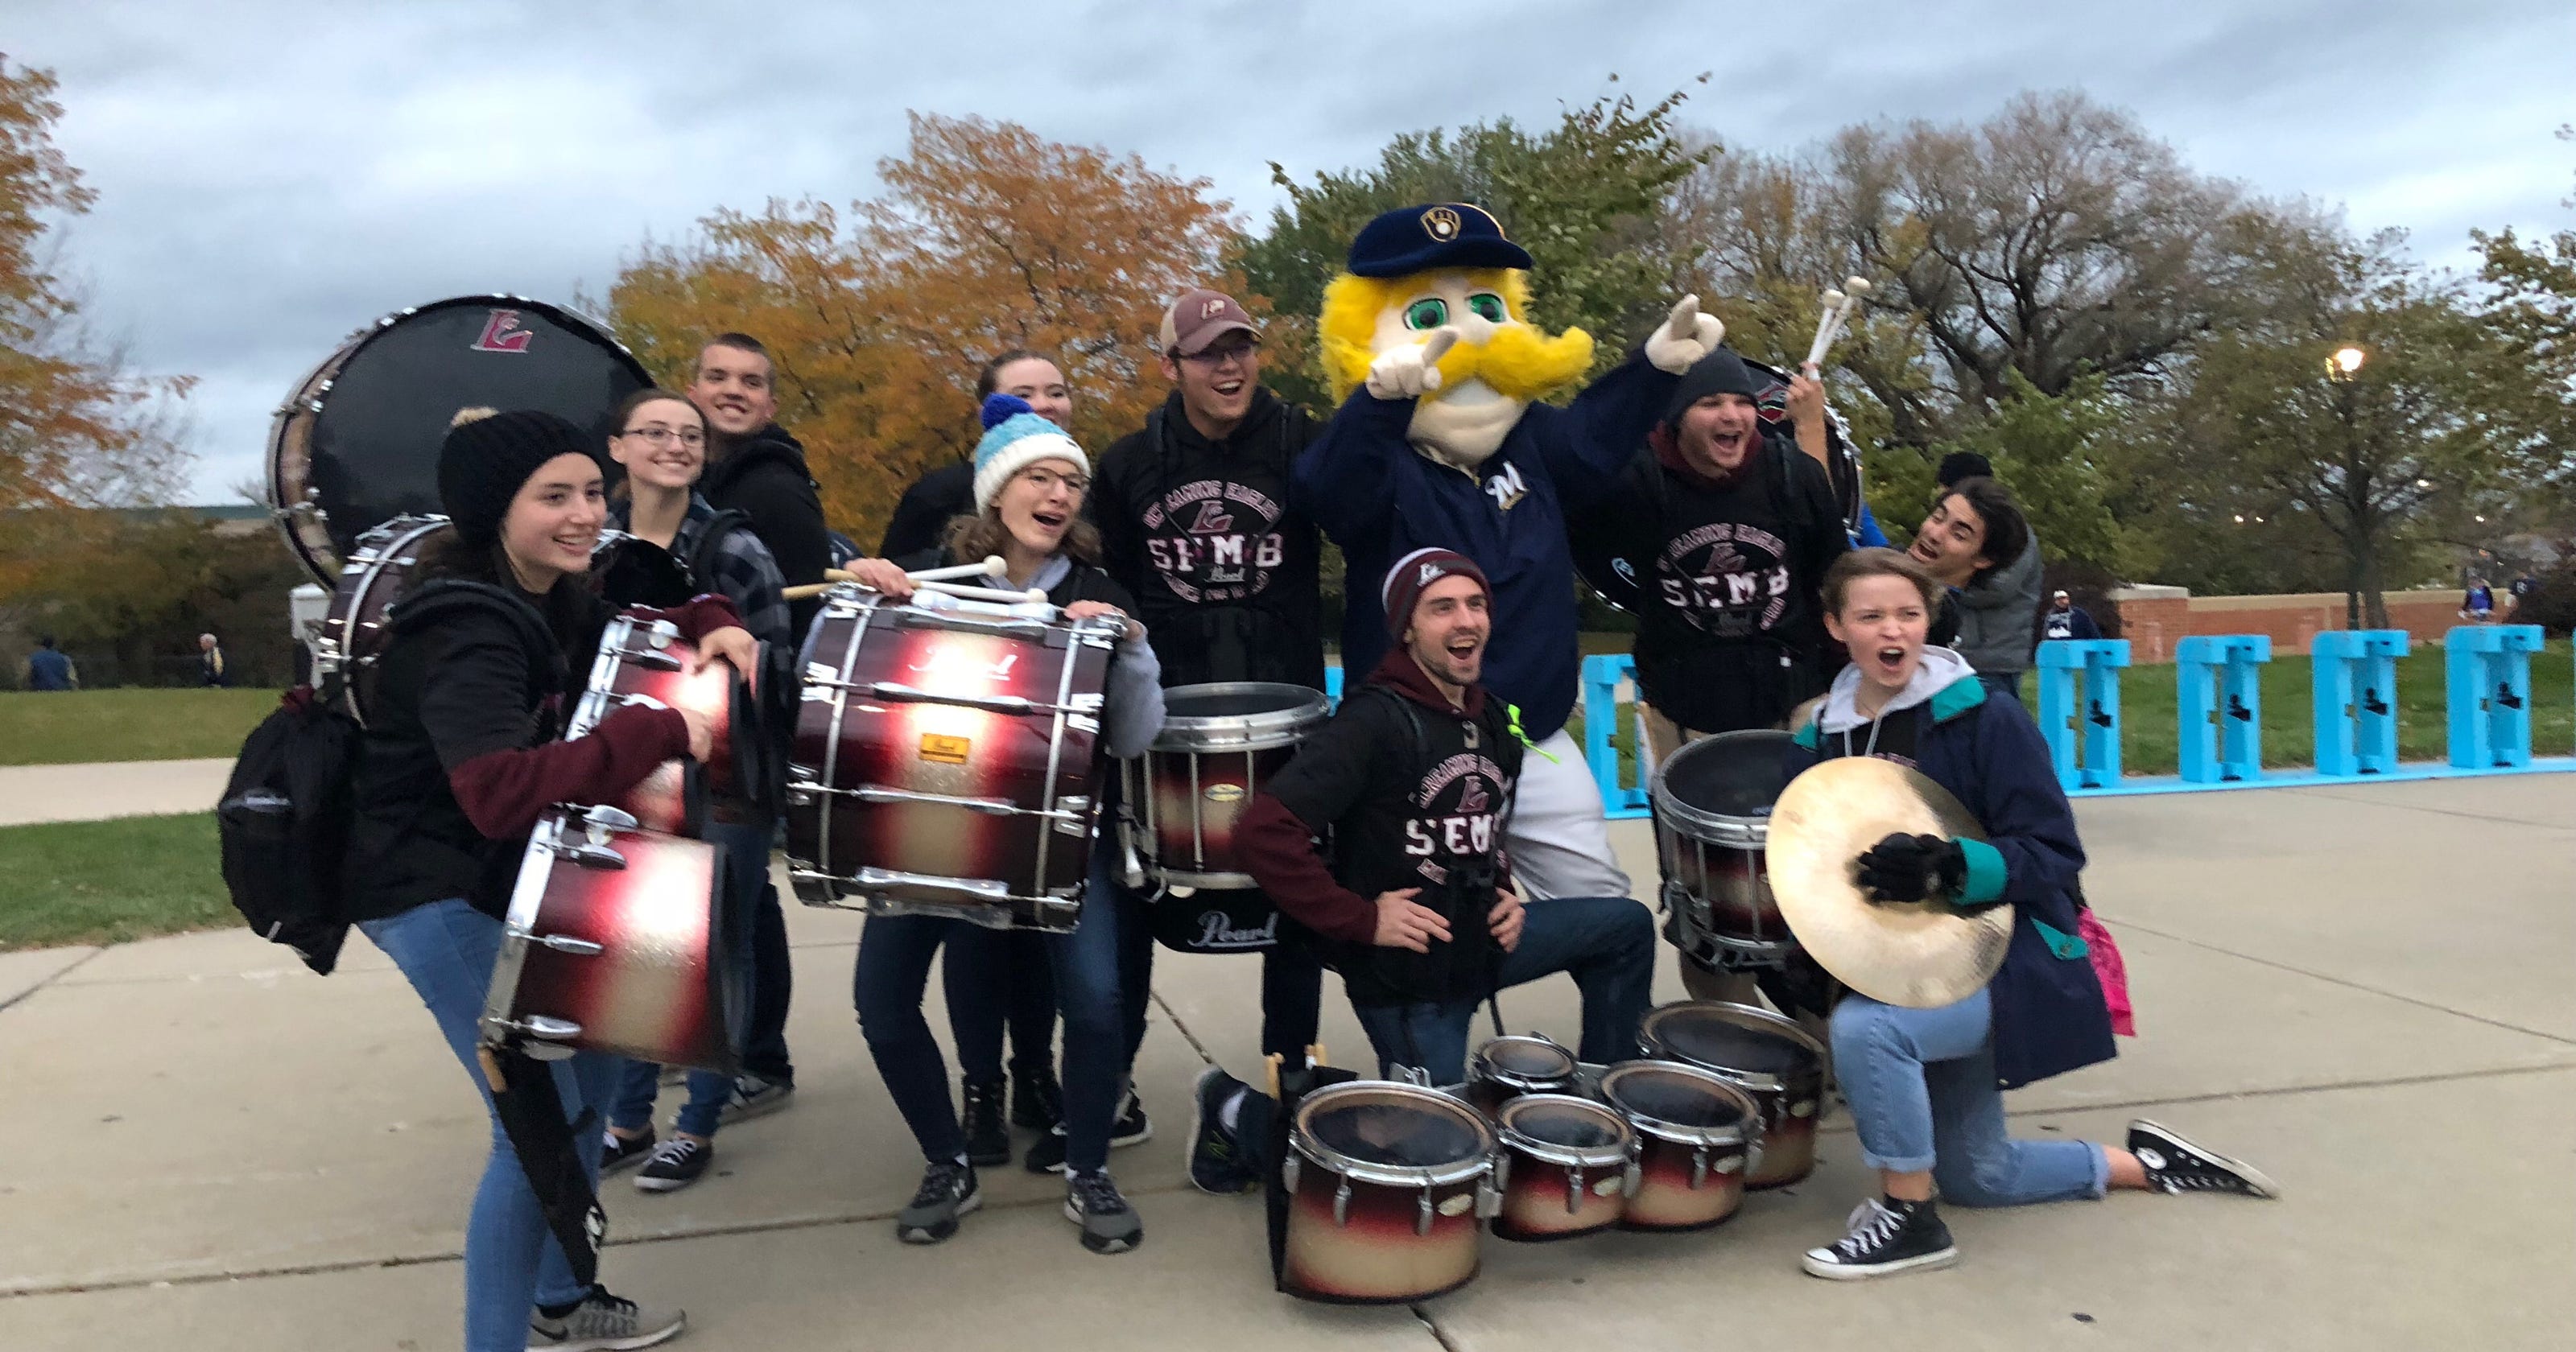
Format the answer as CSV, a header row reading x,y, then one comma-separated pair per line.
x,y
986,237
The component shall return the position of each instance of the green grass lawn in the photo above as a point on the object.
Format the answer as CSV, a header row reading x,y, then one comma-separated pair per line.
x,y
112,881
68,727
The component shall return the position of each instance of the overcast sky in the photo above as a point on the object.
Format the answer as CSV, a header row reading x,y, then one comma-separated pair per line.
x,y
272,176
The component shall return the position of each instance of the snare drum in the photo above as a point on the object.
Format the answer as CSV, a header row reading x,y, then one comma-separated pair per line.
x,y
353,631
1218,744
1696,1135
1386,1183
645,661
944,759
1779,1063
1569,1167
1712,818
1507,1067
616,942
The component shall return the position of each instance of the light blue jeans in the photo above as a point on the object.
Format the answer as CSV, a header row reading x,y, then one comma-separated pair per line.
x,y
512,1262
1607,944
1921,1085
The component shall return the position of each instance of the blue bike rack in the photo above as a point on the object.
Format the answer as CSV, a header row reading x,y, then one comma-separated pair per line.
x,y
2356,699
2221,688
2489,690
1602,674
2079,708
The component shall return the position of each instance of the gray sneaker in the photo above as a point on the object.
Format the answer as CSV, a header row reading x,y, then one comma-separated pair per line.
x,y
1108,1224
755,1097
605,1323
948,1190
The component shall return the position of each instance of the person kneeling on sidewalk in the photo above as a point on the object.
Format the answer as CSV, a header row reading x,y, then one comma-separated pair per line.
x,y
1925,1085
1413,779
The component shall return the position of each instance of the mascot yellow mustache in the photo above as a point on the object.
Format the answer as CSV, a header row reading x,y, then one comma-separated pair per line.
x,y
1441,441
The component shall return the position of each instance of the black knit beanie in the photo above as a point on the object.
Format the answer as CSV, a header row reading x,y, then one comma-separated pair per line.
x,y
482,464
1720,372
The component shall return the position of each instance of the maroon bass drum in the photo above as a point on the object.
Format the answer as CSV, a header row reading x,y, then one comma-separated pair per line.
x,y
944,759
615,942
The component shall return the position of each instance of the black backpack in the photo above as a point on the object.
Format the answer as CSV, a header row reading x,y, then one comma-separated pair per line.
x,y
284,821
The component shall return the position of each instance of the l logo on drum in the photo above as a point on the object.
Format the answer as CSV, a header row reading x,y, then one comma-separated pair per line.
x,y
501,333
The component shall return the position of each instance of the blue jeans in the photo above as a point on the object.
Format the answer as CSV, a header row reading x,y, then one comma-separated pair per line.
x,y
894,971
1606,943
997,980
746,852
512,1262
1292,981
1921,1085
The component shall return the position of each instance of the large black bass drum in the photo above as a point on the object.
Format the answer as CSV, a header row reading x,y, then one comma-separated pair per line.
x,y
356,443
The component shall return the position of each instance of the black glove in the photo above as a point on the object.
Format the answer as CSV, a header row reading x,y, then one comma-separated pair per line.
x,y
1912,868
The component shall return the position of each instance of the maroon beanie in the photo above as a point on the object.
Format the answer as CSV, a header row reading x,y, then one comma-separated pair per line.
x,y
1414,573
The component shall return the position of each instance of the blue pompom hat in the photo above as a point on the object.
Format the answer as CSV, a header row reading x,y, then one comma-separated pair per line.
x,y
1015,437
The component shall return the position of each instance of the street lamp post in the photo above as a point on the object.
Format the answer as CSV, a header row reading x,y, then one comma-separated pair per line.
x,y
2343,365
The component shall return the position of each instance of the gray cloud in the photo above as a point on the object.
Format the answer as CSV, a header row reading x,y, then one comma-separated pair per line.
x,y
272,176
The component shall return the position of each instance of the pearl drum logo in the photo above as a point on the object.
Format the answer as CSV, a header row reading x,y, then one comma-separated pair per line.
x,y
501,333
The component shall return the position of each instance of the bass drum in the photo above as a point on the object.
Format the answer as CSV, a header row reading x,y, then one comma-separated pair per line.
x,y
356,443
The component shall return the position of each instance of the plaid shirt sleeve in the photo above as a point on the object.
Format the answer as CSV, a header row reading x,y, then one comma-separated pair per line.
x,y
749,577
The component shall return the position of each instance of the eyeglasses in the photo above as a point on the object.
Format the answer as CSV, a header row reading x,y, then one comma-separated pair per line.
x,y
1219,356
1047,479
661,436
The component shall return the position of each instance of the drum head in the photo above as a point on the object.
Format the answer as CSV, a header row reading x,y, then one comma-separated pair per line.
x,y
1713,1034
360,439
1569,1122
1393,1126
1236,699
1733,774
1527,1059
1682,1096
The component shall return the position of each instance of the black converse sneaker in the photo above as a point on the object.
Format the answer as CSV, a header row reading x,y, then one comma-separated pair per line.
x,y
2174,1164
621,1153
1131,1127
988,1141
948,1191
1037,1102
604,1323
676,1163
1108,1224
754,1096
1217,1160
1887,1237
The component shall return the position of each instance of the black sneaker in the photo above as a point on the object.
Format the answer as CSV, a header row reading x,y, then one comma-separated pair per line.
x,y
755,1097
1108,1224
604,1323
676,1164
2174,1164
987,1140
1037,1101
1132,1127
1887,1237
948,1190
622,1153
1217,1164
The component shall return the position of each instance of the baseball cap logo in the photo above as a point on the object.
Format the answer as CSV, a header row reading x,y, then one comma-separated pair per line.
x,y
1211,307
1441,224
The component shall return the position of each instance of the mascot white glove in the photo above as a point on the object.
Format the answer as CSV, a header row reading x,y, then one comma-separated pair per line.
x,y
1687,336
1413,370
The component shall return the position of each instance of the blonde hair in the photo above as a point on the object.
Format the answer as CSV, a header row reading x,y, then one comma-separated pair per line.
x,y
1347,325
473,413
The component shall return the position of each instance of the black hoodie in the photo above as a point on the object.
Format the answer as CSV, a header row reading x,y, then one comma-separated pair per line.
x,y
764,476
1209,537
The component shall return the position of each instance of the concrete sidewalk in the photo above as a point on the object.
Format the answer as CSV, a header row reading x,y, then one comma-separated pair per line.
x,y
2364,990
95,792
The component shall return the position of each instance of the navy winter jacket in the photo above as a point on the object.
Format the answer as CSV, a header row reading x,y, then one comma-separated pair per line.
x,y
2049,1015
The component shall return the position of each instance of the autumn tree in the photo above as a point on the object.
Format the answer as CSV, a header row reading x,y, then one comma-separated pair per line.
x,y
76,426
879,314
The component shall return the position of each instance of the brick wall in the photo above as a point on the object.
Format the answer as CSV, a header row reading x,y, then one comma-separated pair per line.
x,y
2155,619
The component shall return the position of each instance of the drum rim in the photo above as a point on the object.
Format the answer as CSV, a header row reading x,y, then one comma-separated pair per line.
x,y
1745,1131
345,660
1242,732
1558,1152
1486,1070
1761,1080
1715,828
1340,1165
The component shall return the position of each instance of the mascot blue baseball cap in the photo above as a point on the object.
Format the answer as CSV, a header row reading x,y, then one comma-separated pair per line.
x,y
1434,235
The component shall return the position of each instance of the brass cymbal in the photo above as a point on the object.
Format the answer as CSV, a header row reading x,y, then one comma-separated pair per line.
x,y
1920,954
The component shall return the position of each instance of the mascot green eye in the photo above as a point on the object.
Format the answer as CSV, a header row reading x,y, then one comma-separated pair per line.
x,y
1424,315
1487,306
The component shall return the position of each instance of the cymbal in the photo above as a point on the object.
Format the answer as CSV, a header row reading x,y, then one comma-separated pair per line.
x,y
1921,954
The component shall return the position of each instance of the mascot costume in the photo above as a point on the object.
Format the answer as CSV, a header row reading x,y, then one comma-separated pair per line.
x,y
1440,441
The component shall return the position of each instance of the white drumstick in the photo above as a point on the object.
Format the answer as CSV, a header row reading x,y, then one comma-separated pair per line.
x,y
1033,596
1825,325
990,567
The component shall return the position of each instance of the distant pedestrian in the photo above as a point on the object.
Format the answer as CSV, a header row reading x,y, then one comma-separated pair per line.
x,y
2522,586
2068,620
210,662
49,668
2478,606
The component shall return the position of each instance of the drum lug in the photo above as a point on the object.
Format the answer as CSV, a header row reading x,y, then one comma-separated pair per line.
x,y
1631,1178
662,634
1073,815
1573,1189
1342,1203
565,943
1699,1167
551,1036
1489,1193
1289,1172
1422,1214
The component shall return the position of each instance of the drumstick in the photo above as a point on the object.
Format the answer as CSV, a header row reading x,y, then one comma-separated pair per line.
x,y
990,567
1031,596
1839,306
